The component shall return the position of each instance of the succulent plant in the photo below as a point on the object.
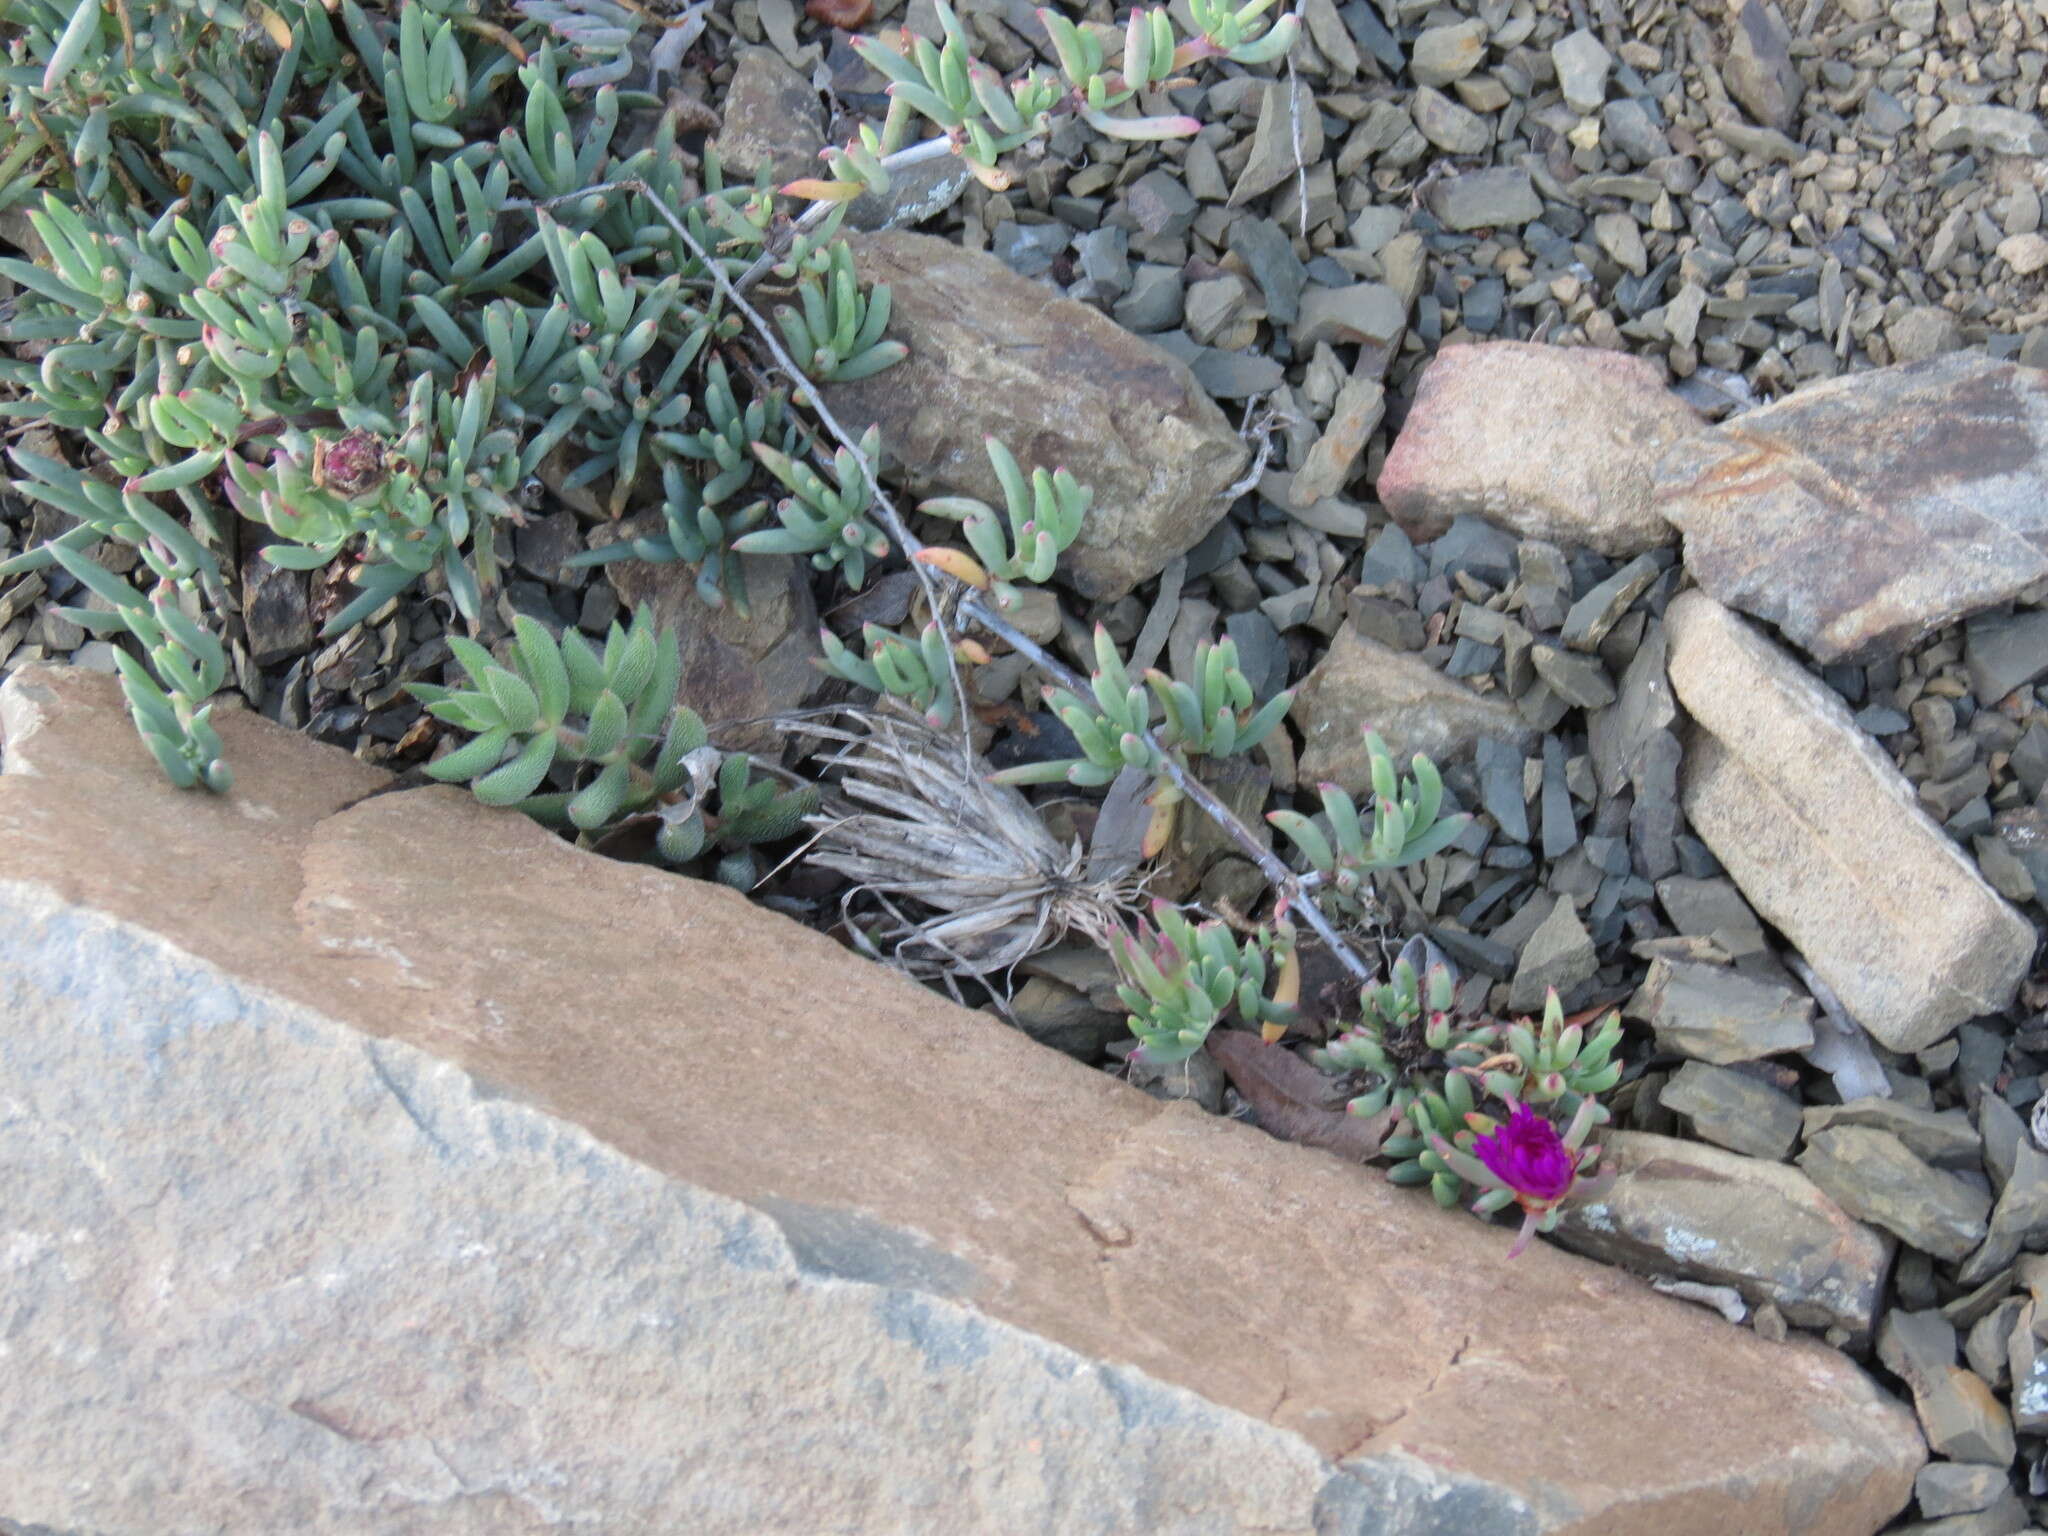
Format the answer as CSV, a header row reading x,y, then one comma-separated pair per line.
x,y
1150,45
294,273
411,495
170,708
1181,979
914,671
1406,828
985,117
834,331
1214,715
1408,1038
1045,516
753,811
1556,1062
1231,30
828,522
1110,727
1437,1069
589,739
953,89
599,31
1523,1161
103,511
603,726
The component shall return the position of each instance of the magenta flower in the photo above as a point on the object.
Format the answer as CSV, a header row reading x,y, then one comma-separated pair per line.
x,y
1528,1156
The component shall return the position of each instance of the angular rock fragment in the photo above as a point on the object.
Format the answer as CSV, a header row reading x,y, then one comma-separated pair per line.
x,y
1559,954
1920,332
1060,384
1576,678
1680,1208
1447,53
1360,406
1717,1015
1594,616
275,615
737,667
1990,1338
2027,1365
1500,197
1759,72
2006,1517
1288,137
2019,1219
1958,1488
1957,1411
1362,685
1825,839
2005,651
916,193
771,118
1713,909
1572,462
1871,1175
1066,1020
1998,130
1733,1110
1944,1138
1454,129
1582,65
1363,314
1643,708
1860,513
1501,789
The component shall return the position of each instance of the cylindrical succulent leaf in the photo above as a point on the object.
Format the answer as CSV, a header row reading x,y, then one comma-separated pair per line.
x,y
514,781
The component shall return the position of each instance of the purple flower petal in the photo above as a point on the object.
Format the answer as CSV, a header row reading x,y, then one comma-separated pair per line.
x,y
1528,1156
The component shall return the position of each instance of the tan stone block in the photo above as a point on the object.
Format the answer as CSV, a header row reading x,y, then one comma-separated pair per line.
x,y
1825,839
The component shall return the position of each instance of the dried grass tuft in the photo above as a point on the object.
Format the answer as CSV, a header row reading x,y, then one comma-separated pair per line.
x,y
915,824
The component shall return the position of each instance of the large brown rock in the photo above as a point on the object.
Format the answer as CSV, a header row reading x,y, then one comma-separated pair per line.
x,y
1363,685
1860,513
390,1165
1825,838
1556,443
995,354
1698,1213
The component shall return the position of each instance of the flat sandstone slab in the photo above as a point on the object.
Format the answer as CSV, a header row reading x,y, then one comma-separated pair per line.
x,y
1825,838
389,1164
1860,513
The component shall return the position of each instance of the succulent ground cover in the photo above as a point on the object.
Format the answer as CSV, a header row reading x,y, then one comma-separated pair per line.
x,y
348,330
524,356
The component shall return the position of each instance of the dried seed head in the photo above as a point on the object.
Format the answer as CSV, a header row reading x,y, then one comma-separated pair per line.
x,y
351,465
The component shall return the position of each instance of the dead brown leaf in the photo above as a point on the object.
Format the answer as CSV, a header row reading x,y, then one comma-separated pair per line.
x,y
1292,1098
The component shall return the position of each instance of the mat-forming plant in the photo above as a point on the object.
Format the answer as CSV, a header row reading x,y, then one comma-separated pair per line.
x,y
358,285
